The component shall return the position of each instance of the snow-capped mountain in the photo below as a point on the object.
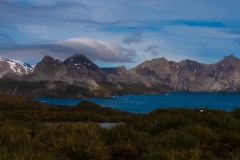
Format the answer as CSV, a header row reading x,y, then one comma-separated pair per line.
x,y
14,67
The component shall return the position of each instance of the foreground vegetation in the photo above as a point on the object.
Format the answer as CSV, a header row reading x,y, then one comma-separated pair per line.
x,y
164,134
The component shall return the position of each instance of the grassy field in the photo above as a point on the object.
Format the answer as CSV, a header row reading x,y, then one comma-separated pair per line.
x,y
164,134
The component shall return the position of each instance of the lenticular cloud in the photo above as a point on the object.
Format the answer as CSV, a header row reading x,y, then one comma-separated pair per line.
x,y
91,48
100,50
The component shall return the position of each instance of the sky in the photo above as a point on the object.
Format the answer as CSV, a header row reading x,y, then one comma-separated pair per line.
x,y
120,32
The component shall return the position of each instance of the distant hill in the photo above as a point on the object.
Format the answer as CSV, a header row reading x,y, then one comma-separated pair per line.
x,y
19,102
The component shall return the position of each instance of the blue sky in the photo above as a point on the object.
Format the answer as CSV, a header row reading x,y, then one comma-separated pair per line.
x,y
120,32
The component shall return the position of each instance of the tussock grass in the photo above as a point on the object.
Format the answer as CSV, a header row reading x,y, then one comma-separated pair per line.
x,y
164,134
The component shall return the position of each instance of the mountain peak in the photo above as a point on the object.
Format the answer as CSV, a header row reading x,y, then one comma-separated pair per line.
x,y
47,58
231,59
78,56
77,60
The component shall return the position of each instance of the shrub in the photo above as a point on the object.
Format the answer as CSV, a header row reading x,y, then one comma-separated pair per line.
x,y
26,154
121,140
76,141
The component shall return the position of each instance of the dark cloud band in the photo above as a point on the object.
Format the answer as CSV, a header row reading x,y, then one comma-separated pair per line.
x,y
136,37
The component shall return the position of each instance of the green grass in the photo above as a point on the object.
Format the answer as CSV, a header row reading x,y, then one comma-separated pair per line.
x,y
29,140
163,134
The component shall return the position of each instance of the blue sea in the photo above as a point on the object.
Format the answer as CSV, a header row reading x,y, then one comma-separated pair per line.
x,y
147,103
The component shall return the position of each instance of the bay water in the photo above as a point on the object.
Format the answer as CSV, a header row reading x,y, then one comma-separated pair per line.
x,y
147,103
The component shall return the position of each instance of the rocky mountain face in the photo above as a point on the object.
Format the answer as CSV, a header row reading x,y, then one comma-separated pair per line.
x,y
76,70
11,67
190,75
155,76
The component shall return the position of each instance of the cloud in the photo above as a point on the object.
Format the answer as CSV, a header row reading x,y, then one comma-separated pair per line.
x,y
136,37
194,23
185,28
100,50
19,18
5,39
154,50
91,48
48,11
16,16
50,15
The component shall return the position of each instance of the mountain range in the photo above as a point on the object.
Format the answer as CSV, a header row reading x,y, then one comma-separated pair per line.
x,y
155,76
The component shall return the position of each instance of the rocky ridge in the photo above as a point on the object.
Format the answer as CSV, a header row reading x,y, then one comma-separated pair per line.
x,y
155,76
189,75
76,70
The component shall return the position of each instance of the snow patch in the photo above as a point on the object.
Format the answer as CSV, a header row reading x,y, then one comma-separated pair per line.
x,y
15,67
24,67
